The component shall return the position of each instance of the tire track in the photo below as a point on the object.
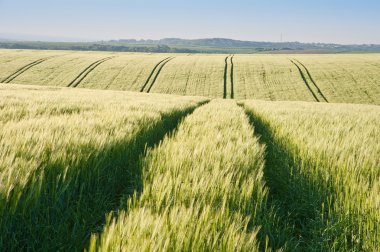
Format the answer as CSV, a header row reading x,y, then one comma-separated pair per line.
x,y
312,80
232,77
305,80
225,77
158,73
86,71
24,69
151,74
228,60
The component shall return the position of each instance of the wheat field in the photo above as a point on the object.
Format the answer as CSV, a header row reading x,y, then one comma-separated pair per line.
x,y
103,151
327,169
67,156
343,78
197,193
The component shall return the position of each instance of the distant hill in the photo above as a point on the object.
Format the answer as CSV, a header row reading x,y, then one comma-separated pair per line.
x,y
222,43
176,45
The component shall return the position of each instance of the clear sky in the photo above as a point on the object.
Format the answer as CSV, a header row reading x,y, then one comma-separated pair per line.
x,y
337,21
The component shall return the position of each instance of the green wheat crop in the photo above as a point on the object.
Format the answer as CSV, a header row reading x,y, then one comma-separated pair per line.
x,y
68,155
324,166
203,189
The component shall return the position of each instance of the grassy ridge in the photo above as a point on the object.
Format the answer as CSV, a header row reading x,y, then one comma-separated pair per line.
x,y
323,171
203,189
66,160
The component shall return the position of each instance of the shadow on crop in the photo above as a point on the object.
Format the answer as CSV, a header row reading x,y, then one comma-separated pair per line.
x,y
297,200
59,211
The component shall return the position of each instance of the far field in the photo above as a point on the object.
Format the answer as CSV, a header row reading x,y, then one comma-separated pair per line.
x,y
189,152
339,78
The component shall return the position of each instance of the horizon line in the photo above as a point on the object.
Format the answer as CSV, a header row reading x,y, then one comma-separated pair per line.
x,y
66,39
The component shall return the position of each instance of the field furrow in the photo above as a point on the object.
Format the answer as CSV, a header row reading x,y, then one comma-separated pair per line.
x,y
203,189
66,161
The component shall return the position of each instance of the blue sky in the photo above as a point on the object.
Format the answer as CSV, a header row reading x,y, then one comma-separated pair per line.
x,y
338,21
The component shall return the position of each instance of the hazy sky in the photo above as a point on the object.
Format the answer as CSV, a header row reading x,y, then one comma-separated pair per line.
x,y
338,21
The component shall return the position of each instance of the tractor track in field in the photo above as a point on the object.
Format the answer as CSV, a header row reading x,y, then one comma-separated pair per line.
x,y
228,60
225,77
312,80
163,63
151,74
232,77
305,80
74,83
24,69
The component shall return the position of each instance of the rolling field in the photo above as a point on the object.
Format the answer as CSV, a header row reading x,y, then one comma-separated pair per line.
x,y
68,156
343,78
268,77
192,75
189,152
